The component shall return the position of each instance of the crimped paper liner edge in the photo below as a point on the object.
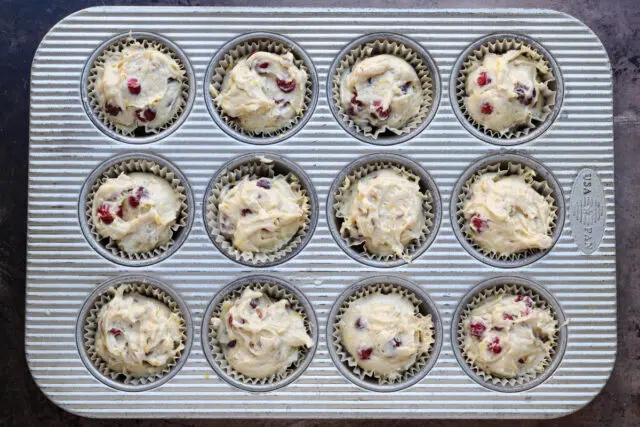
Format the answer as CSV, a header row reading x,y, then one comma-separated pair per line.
x,y
344,356
275,293
128,166
510,289
513,168
352,179
492,46
256,168
90,327
390,46
242,50
95,72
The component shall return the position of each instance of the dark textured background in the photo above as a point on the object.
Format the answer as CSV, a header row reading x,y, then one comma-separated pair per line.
x,y
23,23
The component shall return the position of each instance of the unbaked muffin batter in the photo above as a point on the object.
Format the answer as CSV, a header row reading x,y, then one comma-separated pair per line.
x,y
505,215
507,336
137,335
385,211
261,215
140,87
137,211
264,92
260,337
385,334
503,92
382,92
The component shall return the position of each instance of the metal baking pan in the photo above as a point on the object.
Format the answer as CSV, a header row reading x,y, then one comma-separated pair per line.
x,y
63,269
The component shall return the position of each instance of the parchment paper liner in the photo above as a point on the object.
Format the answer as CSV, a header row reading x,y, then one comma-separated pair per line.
x,y
91,324
508,289
385,45
352,179
343,354
97,69
242,50
500,46
507,169
254,169
276,293
128,166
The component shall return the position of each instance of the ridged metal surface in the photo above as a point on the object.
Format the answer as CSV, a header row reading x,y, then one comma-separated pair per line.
x,y
63,269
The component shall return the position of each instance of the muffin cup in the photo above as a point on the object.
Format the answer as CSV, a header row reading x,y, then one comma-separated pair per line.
x,y
348,366
276,289
253,166
553,90
87,324
404,48
241,47
130,163
363,166
510,286
94,110
540,179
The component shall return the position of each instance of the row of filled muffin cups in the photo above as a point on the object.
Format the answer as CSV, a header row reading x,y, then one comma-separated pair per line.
x,y
261,209
115,94
384,333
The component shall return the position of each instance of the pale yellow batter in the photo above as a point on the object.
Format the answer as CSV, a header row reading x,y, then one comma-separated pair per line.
x,y
261,215
508,336
139,87
385,334
260,337
264,92
504,91
137,335
385,211
137,211
505,215
382,92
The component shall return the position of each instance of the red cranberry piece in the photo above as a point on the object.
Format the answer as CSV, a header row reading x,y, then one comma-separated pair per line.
x,y
478,223
104,213
521,360
264,183
360,323
477,329
396,342
355,102
380,111
522,93
232,343
134,86
263,65
507,316
230,320
286,86
486,108
120,212
253,303
112,109
483,79
245,212
265,230
134,199
115,332
365,353
146,115
494,346
527,300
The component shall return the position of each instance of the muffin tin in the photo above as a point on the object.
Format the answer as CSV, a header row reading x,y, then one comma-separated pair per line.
x,y
64,268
